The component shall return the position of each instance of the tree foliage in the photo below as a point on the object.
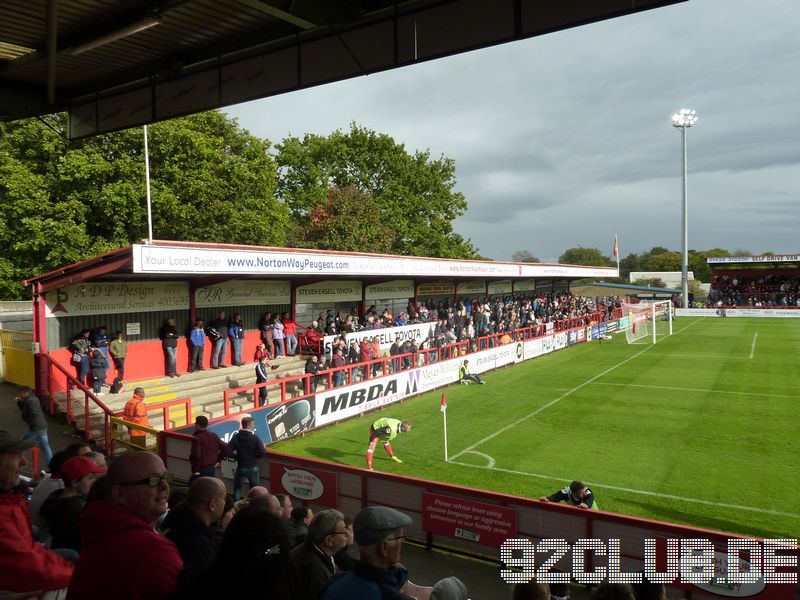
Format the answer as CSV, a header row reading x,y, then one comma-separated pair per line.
x,y
524,256
584,256
63,201
413,193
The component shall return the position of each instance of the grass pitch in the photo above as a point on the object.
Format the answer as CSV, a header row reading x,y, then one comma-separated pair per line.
x,y
701,428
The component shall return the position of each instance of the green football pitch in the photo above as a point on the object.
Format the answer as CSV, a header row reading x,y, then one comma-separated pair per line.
x,y
701,428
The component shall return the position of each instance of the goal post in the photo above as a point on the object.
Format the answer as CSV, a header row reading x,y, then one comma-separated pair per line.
x,y
644,320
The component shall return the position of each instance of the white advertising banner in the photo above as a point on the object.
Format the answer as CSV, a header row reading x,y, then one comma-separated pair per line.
x,y
244,293
499,287
524,286
764,258
166,259
749,313
386,337
548,344
103,298
533,348
343,402
561,339
334,291
471,288
399,289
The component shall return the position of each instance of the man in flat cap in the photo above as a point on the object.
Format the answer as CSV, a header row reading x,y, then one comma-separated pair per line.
x,y
378,575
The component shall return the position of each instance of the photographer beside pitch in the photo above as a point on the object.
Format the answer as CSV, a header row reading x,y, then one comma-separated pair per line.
x,y
385,430
576,494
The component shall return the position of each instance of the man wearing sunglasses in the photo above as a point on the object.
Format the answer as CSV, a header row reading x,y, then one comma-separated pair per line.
x,y
122,554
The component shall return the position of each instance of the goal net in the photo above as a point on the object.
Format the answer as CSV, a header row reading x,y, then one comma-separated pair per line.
x,y
647,321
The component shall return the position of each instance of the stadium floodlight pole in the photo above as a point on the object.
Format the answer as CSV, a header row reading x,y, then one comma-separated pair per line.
x,y
681,120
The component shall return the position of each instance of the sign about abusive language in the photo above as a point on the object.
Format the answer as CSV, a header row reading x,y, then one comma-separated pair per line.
x,y
485,524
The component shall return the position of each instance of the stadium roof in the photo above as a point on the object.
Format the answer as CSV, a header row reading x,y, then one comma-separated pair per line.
x,y
598,288
115,65
207,262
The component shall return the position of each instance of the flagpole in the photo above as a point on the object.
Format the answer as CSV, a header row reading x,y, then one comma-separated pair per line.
x,y
444,416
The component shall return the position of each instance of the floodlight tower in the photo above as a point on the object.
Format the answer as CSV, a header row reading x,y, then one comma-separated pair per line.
x,y
684,119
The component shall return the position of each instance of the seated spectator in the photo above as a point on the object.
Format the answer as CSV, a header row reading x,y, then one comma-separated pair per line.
x,y
218,526
188,525
311,368
450,588
464,376
253,562
240,505
345,558
314,557
530,591
298,526
63,508
25,565
266,502
613,591
121,550
378,575
286,506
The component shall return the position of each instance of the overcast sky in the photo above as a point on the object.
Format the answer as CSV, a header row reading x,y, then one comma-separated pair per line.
x,y
563,140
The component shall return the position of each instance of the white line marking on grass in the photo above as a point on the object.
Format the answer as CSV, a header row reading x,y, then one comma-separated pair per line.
x,y
753,347
681,389
642,492
693,356
561,397
490,462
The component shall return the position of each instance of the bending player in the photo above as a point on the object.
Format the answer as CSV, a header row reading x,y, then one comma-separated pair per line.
x,y
385,430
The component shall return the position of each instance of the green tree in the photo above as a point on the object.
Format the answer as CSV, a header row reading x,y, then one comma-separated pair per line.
x,y
524,256
348,221
630,264
591,257
663,261
413,193
62,202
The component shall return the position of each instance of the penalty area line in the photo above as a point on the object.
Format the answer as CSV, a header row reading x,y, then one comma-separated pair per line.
x,y
682,389
561,397
765,511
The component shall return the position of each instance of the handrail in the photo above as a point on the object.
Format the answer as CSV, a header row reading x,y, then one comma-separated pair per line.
x,y
73,383
164,408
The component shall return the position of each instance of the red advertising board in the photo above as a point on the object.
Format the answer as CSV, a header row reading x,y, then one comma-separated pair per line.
x,y
486,524
306,485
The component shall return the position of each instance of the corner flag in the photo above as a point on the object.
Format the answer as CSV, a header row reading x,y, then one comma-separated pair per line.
x,y
444,417
615,251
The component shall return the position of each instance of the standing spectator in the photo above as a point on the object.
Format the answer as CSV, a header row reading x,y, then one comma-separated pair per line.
x,y
395,351
119,352
136,412
236,333
198,339
33,415
298,525
25,565
169,342
188,525
365,354
207,450
337,363
278,336
246,447
217,330
314,557
312,367
254,554
261,377
81,347
290,330
118,538
63,507
99,364
378,574
100,340
265,327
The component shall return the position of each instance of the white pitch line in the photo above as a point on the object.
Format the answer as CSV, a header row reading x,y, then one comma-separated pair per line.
x,y
561,397
753,346
681,389
695,356
642,492
490,462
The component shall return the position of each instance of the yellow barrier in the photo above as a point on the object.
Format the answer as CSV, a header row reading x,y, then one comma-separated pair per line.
x,y
17,357
117,436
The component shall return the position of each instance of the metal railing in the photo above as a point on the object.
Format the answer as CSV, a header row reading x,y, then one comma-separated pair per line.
x,y
117,422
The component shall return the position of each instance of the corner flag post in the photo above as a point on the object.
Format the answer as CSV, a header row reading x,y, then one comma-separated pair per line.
x,y
444,416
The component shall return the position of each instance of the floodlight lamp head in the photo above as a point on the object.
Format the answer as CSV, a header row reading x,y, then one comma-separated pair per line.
x,y
684,118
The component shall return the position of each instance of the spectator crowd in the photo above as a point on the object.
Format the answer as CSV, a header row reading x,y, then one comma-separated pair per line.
x,y
755,290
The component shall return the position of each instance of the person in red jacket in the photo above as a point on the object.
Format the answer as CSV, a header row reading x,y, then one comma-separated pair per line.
x,y
25,565
207,450
122,556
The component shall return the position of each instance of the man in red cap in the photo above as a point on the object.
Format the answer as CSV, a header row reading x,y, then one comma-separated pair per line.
x,y
25,566
62,509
